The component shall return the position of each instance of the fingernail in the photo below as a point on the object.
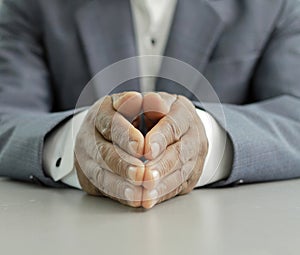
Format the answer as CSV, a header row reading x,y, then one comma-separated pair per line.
x,y
129,194
155,150
155,175
153,194
133,145
151,199
132,173
152,180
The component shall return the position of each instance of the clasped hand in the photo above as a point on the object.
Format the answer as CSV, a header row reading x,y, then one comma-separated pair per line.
x,y
114,159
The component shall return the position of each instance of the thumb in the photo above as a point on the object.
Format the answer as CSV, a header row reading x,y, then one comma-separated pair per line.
x,y
156,106
129,104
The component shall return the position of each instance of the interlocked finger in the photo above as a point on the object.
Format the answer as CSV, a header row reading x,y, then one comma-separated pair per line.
x,y
169,187
168,130
174,157
119,162
114,127
156,106
112,185
129,104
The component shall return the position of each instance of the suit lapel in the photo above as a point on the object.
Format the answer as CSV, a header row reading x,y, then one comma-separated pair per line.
x,y
107,36
194,33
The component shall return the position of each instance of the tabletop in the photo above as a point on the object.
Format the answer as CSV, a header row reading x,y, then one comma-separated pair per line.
x,y
249,219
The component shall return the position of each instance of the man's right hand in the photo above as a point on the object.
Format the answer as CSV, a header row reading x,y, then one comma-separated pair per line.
x,y
108,148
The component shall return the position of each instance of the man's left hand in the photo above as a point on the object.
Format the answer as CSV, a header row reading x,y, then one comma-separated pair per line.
x,y
175,147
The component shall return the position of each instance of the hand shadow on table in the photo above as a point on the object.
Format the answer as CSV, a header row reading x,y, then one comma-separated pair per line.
x,y
105,205
71,198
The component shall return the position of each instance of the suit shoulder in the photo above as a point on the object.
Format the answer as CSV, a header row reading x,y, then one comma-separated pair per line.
x,y
282,14
25,5
27,9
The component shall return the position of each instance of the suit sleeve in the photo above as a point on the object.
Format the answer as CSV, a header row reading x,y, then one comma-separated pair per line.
x,y
25,93
266,134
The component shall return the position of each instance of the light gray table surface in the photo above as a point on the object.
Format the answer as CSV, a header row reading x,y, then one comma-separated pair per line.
x,y
250,219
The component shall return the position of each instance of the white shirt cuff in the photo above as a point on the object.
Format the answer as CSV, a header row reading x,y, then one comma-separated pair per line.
x,y
218,162
58,154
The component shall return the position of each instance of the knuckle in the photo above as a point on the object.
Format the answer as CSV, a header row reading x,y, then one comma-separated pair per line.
x,y
170,184
187,109
187,170
203,148
168,98
93,174
119,132
79,142
190,147
179,178
91,115
94,110
119,163
111,186
186,101
82,135
105,125
180,152
99,177
165,94
114,160
120,167
165,165
100,153
162,189
172,127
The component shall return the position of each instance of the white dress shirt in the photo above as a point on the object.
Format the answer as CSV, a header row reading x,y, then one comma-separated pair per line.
x,y
152,22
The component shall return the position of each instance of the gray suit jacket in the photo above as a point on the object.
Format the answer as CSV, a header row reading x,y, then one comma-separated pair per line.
x,y
248,49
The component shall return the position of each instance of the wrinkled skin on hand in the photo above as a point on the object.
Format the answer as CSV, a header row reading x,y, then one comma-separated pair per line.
x,y
109,148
